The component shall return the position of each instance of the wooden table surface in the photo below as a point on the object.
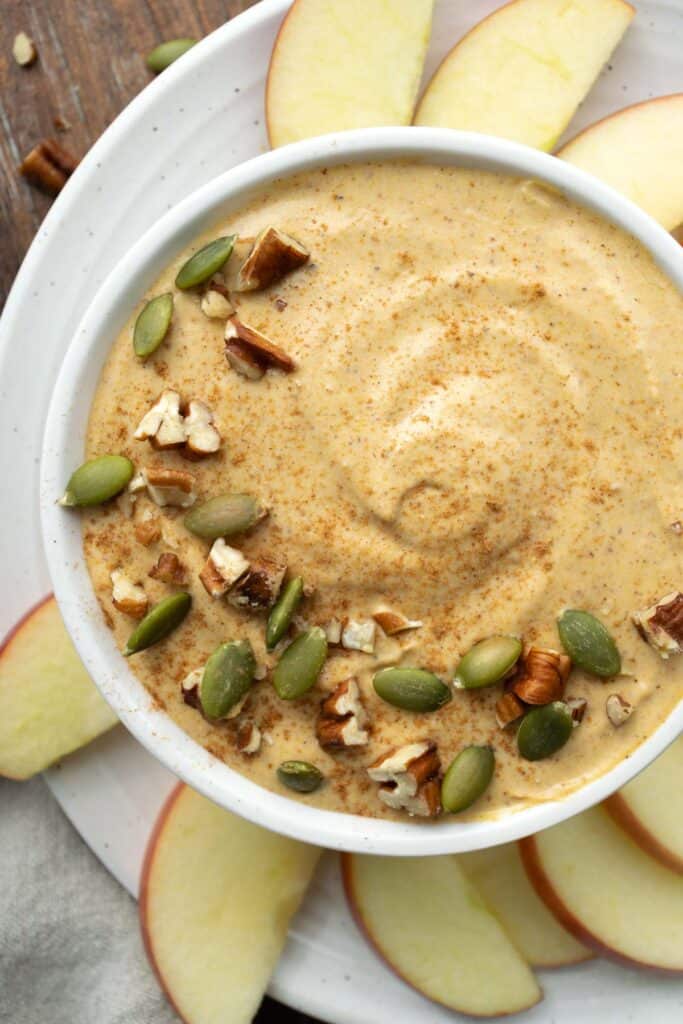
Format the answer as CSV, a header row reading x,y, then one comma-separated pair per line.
x,y
90,64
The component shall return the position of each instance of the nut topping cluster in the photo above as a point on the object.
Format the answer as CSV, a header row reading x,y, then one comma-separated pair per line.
x,y
169,425
543,677
342,721
410,779
165,486
661,625
169,569
273,255
129,598
224,567
259,587
250,353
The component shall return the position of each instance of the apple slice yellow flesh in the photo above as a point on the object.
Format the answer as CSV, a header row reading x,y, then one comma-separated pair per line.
x,y
49,706
650,808
345,65
638,151
499,876
429,924
607,892
522,72
216,897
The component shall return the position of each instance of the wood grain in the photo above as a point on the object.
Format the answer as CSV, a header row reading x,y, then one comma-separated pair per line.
x,y
91,62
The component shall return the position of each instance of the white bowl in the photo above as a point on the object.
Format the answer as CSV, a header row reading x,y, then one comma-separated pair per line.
x,y
63,449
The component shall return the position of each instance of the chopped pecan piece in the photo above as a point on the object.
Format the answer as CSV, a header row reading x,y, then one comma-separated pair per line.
x,y
163,425
264,352
48,166
508,709
577,706
392,623
333,631
410,778
169,569
148,529
662,624
543,676
242,361
166,486
618,709
189,688
24,50
273,255
342,718
216,304
260,586
359,636
200,430
224,567
248,740
127,597
167,425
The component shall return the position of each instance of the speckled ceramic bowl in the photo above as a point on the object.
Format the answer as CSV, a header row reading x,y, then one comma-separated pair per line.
x,y
64,446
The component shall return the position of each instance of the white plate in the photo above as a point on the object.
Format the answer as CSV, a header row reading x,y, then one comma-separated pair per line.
x,y
199,118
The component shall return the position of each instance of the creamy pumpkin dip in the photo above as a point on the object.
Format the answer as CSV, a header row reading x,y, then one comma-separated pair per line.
x,y
480,428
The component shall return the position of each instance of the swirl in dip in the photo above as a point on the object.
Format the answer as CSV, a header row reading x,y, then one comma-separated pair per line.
x,y
483,428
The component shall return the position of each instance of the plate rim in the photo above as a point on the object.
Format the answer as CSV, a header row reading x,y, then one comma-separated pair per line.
x,y
292,995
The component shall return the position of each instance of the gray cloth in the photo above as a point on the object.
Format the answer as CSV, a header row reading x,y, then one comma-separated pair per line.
x,y
70,947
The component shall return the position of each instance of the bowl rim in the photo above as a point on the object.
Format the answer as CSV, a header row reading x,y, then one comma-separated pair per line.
x,y
64,436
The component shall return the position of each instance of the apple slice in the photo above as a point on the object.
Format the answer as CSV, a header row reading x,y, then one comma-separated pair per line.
x,y
49,706
337,65
522,72
429,924
498,874
638,151
216,897
650,808
607,892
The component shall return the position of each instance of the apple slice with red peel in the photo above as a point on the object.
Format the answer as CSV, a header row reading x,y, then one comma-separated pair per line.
x,y
216,897
499,876
607,892
429,924
522,72
49,705
638,151
354,64
650,808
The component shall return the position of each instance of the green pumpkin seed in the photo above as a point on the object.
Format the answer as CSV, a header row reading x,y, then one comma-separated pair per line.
x,y
300,776
228,675
151,326
163,618
223,516
97,480
544,730
300,665
412,689
588,643
205,263
487,662
467,778
165,53
283,611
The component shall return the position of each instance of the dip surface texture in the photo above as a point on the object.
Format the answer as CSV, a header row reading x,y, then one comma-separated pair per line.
x,y
483,428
